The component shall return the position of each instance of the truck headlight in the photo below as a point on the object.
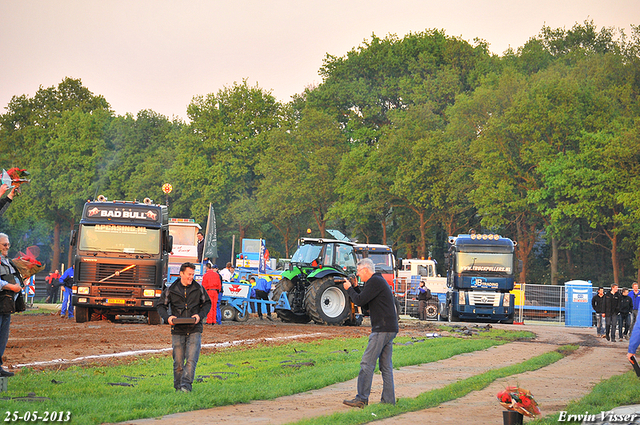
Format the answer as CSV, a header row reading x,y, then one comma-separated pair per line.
x,y
149,293
461,300
83,290
506,300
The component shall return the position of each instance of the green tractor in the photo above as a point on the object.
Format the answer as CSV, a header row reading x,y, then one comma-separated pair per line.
x,y
312,287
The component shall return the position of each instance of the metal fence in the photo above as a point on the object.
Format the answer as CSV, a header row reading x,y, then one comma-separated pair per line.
x,y
544,303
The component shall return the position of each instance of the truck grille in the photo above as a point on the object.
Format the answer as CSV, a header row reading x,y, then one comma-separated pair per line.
x,y
95,272
484,299
115,292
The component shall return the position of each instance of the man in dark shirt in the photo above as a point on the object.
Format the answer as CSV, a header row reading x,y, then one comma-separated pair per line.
x,y
186,299
376,293
611,312
597,302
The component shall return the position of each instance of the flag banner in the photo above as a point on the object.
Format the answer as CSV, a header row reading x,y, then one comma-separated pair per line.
x,y
211,237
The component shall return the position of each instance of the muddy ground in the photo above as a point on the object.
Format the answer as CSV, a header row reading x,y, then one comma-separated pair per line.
x,y
48,341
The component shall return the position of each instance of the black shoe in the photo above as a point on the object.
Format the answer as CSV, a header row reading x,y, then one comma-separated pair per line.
x,y
261,318
608,339
355,403
5,372
269,317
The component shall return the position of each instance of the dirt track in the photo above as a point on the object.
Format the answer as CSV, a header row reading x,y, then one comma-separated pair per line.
x,y
44,341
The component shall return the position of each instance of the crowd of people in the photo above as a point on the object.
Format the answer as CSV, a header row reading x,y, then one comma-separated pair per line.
x,y
616,310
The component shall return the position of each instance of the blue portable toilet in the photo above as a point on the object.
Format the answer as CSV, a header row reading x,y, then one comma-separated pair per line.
x,y
577,297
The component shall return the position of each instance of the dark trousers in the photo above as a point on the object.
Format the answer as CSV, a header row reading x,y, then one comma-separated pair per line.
x,y
422,310
261,295
624,319
610,326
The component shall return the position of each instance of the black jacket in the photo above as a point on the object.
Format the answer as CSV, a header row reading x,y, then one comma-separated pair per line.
x,y
7,297
184,301
612,303
626,304
597,302
376,292
4,204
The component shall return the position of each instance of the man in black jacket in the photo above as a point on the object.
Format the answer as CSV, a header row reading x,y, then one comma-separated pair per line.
x,y
187,300
626,306
10,287
377,294
597,302
611,311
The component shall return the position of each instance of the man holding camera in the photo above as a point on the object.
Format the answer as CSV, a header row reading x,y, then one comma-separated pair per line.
x,y
376,293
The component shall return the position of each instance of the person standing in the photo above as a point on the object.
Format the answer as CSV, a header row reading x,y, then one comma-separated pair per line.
x,y
262,289
200,246
635,297
611,311
376,292
53,282
10,287
227,272
186,298
212,283
597,302
624,320
424,295
67,281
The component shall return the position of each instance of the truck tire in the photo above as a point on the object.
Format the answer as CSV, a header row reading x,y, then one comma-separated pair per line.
x,y
228,312
450,316
285,285
82,314
432,311
153,318
326,302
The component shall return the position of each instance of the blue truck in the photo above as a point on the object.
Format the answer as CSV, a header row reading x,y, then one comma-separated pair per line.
x,y
480,274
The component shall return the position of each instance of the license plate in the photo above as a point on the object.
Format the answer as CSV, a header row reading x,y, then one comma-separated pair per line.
x,y
115,301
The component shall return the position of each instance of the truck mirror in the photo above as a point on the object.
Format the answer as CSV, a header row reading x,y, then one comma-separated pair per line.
x,y
73,238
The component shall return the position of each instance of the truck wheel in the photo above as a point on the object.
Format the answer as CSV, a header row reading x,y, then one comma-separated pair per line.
x,y
82,314
432,311
228,312
450,314
154,318
285,285
327,302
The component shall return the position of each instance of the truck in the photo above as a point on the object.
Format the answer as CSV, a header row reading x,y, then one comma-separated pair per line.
x,y
121,257
412,271
480,274
312,287
184,232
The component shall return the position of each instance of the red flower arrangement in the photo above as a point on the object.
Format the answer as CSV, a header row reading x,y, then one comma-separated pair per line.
x,y
519,400
27,264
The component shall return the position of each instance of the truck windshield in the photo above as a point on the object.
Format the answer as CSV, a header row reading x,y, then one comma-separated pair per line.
x,y
383,261
116,238
306,254
484,263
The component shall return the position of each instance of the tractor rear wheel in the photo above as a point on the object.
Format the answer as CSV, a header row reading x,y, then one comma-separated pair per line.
x,y
285,285
327,302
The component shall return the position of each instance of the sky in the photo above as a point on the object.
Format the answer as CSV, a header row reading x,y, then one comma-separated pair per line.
x,y
159,54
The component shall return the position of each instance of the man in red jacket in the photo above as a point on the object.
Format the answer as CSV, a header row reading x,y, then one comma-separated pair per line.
x,y
212,283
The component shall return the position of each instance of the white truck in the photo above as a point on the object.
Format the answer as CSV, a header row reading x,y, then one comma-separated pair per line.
x,y
411,272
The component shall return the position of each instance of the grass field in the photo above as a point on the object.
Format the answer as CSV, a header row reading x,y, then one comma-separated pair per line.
x,y
144,388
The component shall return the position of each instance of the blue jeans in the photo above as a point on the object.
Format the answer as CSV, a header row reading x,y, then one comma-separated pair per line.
x,y
5,321
66,303
380,348
186,351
